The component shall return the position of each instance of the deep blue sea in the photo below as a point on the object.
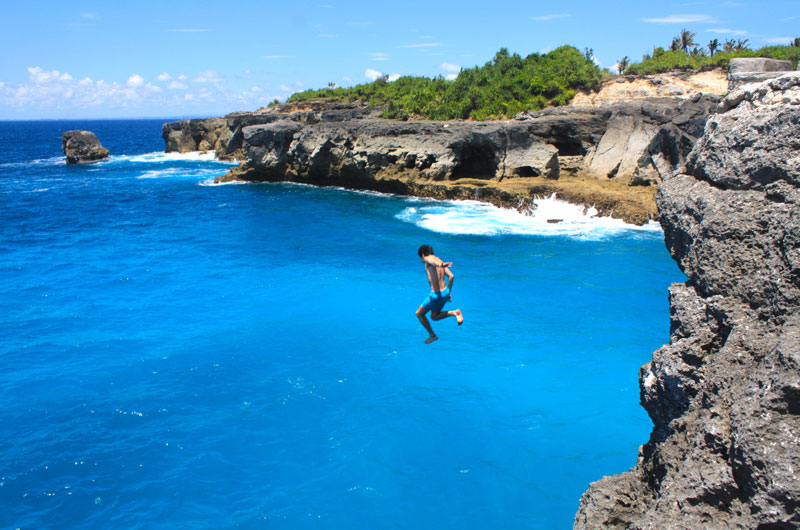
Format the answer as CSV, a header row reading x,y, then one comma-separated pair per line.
x,y
175,354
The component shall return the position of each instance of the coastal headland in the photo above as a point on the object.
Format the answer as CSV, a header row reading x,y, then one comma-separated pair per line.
x,y
611,156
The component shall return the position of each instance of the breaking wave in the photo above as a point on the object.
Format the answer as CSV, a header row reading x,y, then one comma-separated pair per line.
x,y
549,217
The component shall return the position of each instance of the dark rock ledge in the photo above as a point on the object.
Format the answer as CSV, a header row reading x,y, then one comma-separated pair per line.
x,y
610,157
724,394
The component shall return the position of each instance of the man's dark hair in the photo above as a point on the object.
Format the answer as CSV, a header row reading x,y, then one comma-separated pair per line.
x,y
425,250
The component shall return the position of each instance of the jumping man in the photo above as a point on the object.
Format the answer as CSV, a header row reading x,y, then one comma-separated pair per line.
x,y
436,270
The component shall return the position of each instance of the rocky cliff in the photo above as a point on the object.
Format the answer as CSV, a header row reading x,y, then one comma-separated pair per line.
x,y
724,394
625,144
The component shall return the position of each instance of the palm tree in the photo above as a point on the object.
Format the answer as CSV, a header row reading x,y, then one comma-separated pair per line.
x,y
687,39
712,47
795,43
623,64
675,45
729,45
742,45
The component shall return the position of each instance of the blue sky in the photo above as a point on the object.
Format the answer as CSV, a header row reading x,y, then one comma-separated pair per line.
x,y
171,58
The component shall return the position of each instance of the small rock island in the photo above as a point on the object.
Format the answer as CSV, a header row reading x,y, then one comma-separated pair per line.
x,y
82,146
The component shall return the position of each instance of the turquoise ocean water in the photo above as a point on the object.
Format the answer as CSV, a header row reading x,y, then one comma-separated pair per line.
x,y
175,354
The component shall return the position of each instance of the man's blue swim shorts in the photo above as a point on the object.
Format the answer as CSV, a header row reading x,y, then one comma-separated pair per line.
x,y
435,301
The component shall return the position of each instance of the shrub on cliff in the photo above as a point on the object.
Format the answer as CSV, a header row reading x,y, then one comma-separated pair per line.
x,y
502,87
664,61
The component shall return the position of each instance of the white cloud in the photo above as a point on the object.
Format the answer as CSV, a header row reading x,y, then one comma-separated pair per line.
x,y
779,40
181,77
177,85
372,74
682,19
393,77
286,88
378,56
451,77
164,76
450,67
728,31
37,75
347,79
550,17
86,81
135,81
208,76
90,16
423,45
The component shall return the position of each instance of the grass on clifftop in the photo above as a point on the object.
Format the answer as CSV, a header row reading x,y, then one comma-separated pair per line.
x,y
504,86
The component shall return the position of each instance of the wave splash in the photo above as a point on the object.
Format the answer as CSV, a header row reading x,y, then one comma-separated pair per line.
x,y
550,217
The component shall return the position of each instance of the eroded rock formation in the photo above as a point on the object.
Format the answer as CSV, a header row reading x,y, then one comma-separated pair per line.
x,y
82,146
724,394
629,143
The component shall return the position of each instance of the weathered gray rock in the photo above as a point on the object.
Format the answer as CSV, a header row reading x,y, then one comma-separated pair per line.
x,y
196,135
647,139
633,142
724,394
359,150
747,70
82,146
742,65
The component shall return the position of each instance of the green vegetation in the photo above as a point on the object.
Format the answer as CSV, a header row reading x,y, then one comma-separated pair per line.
x,y
509,84
506,85
685,54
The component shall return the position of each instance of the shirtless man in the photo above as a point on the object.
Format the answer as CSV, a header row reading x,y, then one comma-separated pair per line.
x,y
436,270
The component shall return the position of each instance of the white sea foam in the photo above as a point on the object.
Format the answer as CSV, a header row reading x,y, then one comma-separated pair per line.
x,y
177,172
550,217
52,161
161,157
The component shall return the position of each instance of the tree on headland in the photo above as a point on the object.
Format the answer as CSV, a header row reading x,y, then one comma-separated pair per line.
x,y
741,45
623,64
729,45
795,43
687,40
675,45
713,46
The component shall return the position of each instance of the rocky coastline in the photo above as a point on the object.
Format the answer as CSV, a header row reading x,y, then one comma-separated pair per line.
x,y
611,156
724,394
722,176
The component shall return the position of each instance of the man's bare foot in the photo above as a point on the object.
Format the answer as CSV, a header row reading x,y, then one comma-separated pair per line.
x,y
459,317
431,339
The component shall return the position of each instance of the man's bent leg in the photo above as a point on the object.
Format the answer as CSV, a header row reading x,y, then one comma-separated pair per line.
x,y
427,325
439,315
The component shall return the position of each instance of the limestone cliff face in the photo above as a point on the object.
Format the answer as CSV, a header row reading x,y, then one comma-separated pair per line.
x,y
629,143
724,394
